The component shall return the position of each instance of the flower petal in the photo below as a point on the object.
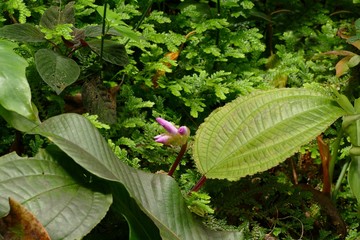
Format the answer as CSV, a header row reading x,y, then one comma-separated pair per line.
x,y
164,139
168,126
183,130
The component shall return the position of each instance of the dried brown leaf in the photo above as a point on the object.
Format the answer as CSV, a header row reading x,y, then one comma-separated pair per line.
x,y
21,224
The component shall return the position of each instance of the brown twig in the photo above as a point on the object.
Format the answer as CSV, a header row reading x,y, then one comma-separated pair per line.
x,y
325,160
177,160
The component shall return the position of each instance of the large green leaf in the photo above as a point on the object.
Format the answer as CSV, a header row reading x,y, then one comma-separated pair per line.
x,y
257,132
66,208
113,52
56,70
354,176
157,195
22,32
18,121
140,225
351,125
15,92
54,16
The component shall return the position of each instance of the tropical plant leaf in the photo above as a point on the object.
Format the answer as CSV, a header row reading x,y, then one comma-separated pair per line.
x,y
257,132
18,121
43,186
22,33
354,176
351,126
96,31
15,92
56,70
54,16
157,195
113,52
127,206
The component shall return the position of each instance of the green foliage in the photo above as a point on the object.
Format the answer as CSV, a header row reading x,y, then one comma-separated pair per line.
x,y
257,132
181,60
15,96
17,6
91,157
56,70
60,193
198,203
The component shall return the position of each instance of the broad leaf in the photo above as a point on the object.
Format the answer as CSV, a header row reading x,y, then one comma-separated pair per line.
x,y
157,195
54,16
96,31
113,52
56,70
351,126
22,32
17,121
127,206
354,176
257,132
15,92
66,208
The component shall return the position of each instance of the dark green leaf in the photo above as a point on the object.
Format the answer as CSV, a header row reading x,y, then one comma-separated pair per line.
x,y
50,18
126,206
354,176
68,14
114,53
22,33
96,31
56,70
54,16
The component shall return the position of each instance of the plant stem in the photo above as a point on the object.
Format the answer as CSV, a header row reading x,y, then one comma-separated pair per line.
x,y
219,15
199,184
103,38
334,153
141,19
339,180
177,160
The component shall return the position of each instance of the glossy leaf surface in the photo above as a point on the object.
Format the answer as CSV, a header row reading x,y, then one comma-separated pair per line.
x,y
257,132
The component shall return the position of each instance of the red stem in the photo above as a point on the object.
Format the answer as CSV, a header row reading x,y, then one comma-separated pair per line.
x,y
178,158
199,184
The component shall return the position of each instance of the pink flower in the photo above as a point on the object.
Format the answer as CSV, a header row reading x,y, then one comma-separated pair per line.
x,y
174,135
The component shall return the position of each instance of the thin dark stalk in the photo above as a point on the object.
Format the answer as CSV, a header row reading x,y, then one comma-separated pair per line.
x,y
219,15
334,153
141,19
177,160
199,184
103,36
